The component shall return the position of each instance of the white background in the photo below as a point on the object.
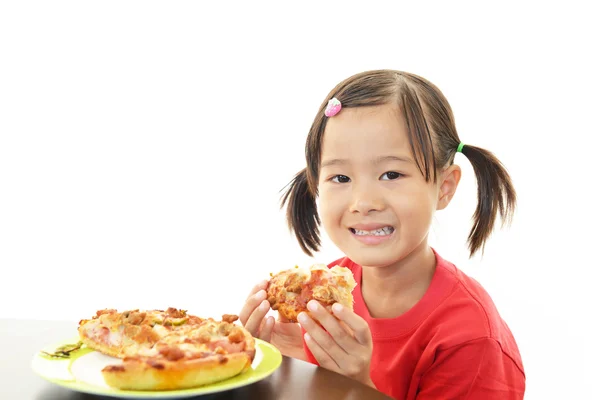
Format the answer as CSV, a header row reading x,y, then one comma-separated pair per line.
x,y
143,146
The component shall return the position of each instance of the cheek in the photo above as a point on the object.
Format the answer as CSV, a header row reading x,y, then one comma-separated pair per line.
x,y
330,207
414,209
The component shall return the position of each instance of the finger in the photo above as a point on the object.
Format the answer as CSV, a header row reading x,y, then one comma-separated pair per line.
x,y
322,357
251,303
267,329
255,320
334,327
256,317
358,325
262,285
288,330
325,341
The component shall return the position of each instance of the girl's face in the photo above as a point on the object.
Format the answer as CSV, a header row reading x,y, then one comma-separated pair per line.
x,y
375,204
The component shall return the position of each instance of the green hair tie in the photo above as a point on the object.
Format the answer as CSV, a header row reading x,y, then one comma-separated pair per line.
x,y
460,147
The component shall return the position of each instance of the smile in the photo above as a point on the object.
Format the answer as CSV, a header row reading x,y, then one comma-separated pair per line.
x,y
387,230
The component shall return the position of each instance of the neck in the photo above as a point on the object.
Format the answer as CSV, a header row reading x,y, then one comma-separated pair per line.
x,y
393,290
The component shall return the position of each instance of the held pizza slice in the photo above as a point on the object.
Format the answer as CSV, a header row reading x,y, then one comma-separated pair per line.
x,y
289,291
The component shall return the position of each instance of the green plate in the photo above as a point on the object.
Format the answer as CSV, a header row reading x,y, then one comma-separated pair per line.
x,y
82,372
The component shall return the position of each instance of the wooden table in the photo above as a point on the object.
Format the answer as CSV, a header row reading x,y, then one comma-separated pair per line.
x,y
295,379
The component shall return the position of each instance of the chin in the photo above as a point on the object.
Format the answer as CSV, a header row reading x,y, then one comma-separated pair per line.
x,y
373,257
378,256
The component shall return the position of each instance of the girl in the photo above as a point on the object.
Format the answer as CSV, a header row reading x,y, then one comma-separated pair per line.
x,y
379,159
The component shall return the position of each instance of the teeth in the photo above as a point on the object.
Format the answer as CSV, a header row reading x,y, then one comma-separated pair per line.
x,y
379,232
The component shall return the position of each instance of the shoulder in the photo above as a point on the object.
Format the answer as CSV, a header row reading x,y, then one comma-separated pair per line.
x,y
475,369
469,314
470,300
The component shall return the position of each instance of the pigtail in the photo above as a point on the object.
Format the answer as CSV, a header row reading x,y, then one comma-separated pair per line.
x,y
495,195
302,216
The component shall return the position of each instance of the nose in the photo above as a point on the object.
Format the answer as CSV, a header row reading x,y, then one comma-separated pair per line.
x,y
366,200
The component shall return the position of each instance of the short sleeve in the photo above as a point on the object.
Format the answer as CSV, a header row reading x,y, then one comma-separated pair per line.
x,y
478,369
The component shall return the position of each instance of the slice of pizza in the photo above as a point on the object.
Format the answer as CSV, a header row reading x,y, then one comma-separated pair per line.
x,y
191,356
290,290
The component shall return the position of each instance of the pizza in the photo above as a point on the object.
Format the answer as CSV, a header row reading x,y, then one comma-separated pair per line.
x,y
167,349
290,290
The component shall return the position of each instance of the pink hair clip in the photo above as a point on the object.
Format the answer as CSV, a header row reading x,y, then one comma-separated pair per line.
x,y
333,107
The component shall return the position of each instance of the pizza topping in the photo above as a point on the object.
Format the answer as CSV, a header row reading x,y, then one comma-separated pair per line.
x,y
134,317
199,337
155,364
236,335
175,313
64,351
226,346
224,328
104,334
295,281
230,318
142,334
171,353
105,311
316,288
190,340
175,321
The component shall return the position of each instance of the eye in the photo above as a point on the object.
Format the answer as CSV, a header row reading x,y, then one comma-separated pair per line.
x,y
391,175
340,179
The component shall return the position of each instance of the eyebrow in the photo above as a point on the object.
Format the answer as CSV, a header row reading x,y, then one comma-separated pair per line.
x,y
378,160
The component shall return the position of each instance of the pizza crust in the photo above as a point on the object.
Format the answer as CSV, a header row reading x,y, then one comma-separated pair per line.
x,y
153,374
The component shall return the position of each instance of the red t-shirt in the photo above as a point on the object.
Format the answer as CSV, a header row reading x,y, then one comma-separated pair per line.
x,y
452,344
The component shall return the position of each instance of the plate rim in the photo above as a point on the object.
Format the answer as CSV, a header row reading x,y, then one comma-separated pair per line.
x,y
84,387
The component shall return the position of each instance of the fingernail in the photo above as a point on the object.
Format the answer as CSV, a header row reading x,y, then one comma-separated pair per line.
x,y
337,308
259,295
312,305
264,305
302,318
307,337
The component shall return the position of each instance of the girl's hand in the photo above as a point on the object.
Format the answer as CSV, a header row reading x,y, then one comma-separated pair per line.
x,y
254,311
342,344
284,335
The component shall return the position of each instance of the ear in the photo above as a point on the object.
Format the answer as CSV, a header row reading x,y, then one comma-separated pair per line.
x,y
450,178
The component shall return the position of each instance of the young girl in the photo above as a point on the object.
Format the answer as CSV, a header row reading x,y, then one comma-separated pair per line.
x,y
379,159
